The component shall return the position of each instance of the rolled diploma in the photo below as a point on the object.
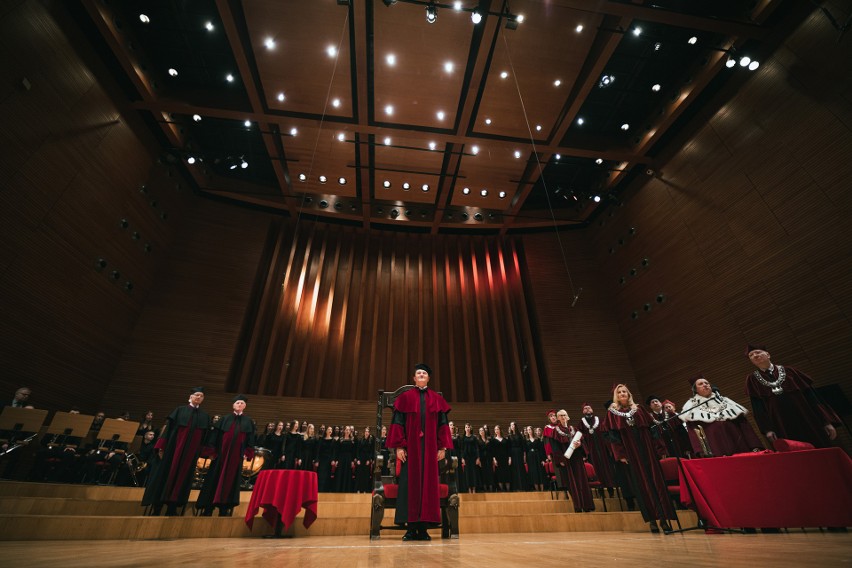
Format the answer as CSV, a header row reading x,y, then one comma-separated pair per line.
x,y
570,451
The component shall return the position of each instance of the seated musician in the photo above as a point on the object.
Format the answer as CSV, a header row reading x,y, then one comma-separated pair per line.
x,y
57,458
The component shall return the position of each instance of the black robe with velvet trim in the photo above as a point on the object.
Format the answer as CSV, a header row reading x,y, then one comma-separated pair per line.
x,y
232,436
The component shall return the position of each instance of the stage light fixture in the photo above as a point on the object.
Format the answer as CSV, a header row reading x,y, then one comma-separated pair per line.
x,y
431,13
475,17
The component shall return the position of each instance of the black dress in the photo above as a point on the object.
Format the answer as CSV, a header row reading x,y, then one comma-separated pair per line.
x,y
275,444
364,448
486,470
535,455
309,453
292,450
520,479
325,454
343,475
470,472
499,450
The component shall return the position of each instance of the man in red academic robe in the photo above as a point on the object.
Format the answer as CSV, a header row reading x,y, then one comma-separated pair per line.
x,y
597,449
421,435
179,445
233,437
785,403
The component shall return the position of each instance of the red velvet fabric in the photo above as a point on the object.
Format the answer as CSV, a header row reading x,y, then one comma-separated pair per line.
x,y
789,489
784,445
284,492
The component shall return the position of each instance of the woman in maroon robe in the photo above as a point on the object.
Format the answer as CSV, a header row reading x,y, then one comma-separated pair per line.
x,y
571,472
233,438
420,433
179,445
628,427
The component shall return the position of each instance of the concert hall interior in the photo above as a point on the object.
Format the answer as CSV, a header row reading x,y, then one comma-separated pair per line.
x,y
297,201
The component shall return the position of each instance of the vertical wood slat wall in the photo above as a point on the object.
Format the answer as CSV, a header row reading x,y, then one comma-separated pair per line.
x,y
336,302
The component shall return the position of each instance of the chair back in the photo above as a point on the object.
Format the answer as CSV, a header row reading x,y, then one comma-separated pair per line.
x,y
670,471
590,472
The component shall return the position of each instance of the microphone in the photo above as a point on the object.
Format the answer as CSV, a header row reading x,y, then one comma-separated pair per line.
x,y
576,297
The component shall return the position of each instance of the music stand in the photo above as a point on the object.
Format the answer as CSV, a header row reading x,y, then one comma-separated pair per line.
x,y
16,421
66,424
115,431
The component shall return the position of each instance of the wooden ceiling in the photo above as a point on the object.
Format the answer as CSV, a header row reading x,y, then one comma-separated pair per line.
x,y
435,128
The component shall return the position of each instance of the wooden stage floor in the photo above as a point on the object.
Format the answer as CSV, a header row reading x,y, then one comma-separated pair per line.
x,y
476,550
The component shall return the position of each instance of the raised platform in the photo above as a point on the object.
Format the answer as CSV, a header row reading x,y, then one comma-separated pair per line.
x,y
44,511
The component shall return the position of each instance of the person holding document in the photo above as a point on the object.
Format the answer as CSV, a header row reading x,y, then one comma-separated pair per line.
x,y
564,448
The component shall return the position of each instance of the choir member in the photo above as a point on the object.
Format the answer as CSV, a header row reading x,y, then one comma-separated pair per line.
x,y
344,460
291,453
469,461
309,448
324,461
498,449
486,471
365,447
274,442
534,457
517,459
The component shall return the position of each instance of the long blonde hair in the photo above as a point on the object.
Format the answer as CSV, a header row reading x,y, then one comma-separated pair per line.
x,y
629,396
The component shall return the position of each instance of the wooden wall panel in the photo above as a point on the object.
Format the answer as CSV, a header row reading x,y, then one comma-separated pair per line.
x,y
72,168
399,300
745,228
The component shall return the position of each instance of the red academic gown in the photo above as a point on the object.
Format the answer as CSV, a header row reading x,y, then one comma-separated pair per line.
x,y
571,471
421,435
597,450
795,414
635,443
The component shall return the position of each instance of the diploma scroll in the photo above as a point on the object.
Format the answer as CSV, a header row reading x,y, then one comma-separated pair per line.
x,y
570,451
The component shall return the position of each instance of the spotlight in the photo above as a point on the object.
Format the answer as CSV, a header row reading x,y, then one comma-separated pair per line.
x,y
512,22
744,61
303,177
173,72
637,31
625,126
431,13
484,193
502,195
196,117
730,62
655,87
599,161
597,199
475,17
753,65
606,81
144,19
406,186
341,180
386,183
692,41
466,191
190,160
323,179
425,187
243,164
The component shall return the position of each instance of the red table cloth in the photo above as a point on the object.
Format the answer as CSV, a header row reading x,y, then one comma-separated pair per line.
x,y
284,492
811,488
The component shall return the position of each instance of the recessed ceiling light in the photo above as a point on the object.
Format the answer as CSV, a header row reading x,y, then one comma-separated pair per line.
x,y
302,177
655,87
406,186
606,81
432,145
692,41
386,183
425,187
597,198
173,72
247,124
440,115
391,59
341,136
269,43
389,110
293,131
243,164
517,154
475,17
487,121
657,46
331,50
448,66
520,18
580,121
538,128
209,26
466,191
474,150
341,180
579,28
323,179
281,97
190,160
557,82
599,161
504,74
457,5
484,193
558,156
144,19
637,31
196,117
625,126
387,141
502,195
229,78
335,103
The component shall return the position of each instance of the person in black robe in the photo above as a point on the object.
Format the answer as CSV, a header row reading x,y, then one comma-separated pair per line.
x,y
486,469
517,459
674,441
291,453
628,428
344,457
309,448
785,403
455,451
365,446
498,449
274,442
469,460
420,433
324,465
179,445
233,440
534,456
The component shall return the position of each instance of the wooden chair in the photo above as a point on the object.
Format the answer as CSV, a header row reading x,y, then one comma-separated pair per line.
x,y
386,488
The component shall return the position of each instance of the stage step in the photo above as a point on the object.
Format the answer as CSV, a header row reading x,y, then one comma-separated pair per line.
x,y
44,511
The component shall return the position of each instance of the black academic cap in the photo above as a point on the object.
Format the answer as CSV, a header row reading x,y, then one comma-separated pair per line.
x,y
241,397
423,366
194,390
